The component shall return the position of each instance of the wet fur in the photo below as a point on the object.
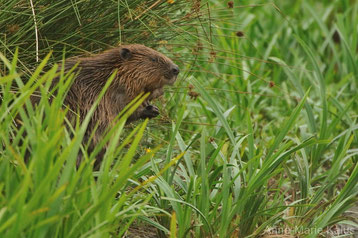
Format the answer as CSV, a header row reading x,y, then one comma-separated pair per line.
x,y
139,69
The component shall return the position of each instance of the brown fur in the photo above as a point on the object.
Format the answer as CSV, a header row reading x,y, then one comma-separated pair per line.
x,y
135,75
139,69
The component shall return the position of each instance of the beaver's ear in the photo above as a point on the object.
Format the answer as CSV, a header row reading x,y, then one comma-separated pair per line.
x,y
125,53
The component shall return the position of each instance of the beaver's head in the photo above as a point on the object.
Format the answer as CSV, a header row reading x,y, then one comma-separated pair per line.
x,y
142,69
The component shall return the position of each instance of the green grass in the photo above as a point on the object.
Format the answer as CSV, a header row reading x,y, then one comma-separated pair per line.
x,y
270,141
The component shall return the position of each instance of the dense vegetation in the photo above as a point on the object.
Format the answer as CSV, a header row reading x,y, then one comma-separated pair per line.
x,y
258,136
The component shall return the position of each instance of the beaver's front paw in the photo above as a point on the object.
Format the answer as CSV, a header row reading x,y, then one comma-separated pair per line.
x,y
150,111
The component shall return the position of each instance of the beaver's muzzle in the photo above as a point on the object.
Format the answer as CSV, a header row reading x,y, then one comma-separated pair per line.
x,y
175,70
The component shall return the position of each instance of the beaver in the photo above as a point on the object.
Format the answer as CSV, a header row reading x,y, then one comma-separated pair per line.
x,y
139,69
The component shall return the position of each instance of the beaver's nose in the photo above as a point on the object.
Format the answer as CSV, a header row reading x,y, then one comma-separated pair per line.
x,y
175,70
